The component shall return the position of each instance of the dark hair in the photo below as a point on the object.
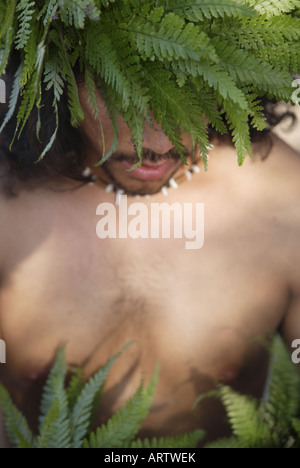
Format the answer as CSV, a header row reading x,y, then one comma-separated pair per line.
x,y
18,167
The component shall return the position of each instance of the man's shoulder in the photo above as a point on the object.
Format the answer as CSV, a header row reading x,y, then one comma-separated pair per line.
x,y
284,162
266,187
278,180
274,175
281,176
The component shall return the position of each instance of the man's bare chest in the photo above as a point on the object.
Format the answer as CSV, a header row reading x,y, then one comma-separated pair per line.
x,y
200,314
96,295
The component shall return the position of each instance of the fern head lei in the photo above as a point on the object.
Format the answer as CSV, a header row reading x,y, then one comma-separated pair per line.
x,y
186,61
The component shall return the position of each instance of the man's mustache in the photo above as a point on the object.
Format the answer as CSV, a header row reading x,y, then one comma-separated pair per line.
x,y
148,155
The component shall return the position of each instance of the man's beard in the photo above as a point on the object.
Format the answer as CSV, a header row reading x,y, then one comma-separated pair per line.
x,y
139,187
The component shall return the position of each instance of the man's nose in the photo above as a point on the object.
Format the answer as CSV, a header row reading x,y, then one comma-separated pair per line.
x,y
156,140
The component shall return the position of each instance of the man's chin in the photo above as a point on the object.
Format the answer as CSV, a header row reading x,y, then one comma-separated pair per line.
x,y
142,189
133,186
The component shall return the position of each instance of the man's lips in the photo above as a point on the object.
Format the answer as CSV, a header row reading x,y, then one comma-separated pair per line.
x,y
150,170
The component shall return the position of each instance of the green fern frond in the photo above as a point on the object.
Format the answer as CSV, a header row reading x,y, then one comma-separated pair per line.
x,y
31,54
54,135
30,94
77,115
26,12
75,12
249,70
244,418
238,124
256,112
123,427
56,378
191,440
16,425
75,386
7,18
14,96
83,408
54,77
198,10
275,7
6,33
175,107
219,80
6,51
48,427
171,39
48,11
107,65
55,390
284,395
225,46
209,107
272,422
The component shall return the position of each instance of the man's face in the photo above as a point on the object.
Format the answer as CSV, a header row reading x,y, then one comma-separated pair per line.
x,y
160,160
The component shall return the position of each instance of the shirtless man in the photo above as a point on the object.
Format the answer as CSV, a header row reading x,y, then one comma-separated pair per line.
x,y
202,314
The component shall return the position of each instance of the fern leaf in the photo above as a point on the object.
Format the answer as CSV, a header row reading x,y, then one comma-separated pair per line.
x,y
174,108
16,425
93,102
185,441
6,50
26,12
275,7
8,19
31,53
54,78
55,390
53,137
219,80
284,397
209,107
75,386
48,427
238,123
57,374
77,115
81,414
198,10
250,70
187,42
136,125
256,111
13,100
244,418
48,11
107,63
123,427
75,12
